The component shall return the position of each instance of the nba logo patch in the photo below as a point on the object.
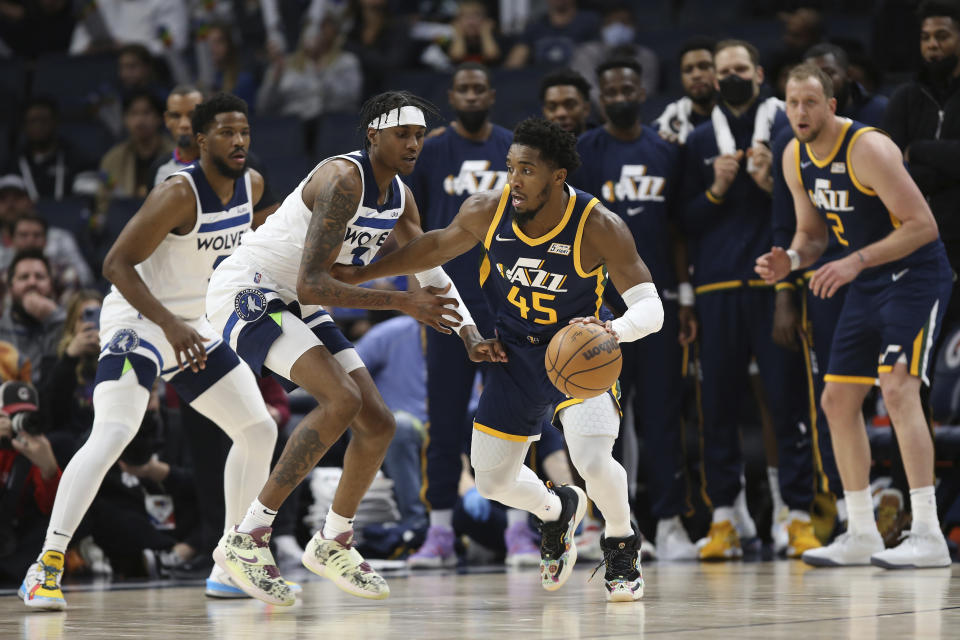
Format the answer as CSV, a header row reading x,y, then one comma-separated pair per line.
x,y
256,277
559,249
123,341
838,167
250,304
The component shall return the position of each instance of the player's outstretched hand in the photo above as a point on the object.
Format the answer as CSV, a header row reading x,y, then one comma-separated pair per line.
x,y
480,350
833,275
187,345
773,266
432,309
347,273
608,325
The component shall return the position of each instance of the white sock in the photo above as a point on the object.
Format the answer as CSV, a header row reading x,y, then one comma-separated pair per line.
x,y
335,524
773,478
257,516
514,516
441,518
842,510
55,541
723,513
860,510
923,504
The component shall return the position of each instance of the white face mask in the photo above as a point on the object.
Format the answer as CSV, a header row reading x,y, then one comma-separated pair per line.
x,y
617,34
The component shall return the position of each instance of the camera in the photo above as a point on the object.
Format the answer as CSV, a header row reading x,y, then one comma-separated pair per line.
x,y
19,401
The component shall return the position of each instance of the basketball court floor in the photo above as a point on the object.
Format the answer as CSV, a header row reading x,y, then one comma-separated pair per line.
x,y
783,599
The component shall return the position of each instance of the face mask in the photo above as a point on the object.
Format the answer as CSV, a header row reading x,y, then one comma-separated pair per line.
x,y
735,90
473,121
940,71
623,115
617,34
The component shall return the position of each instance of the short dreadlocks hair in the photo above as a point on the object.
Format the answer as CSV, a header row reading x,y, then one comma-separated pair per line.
x,y
205,112
556,146
388,101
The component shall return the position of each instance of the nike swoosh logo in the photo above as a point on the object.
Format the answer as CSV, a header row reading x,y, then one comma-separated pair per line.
x,y
252,560
632,211
505,239
804,165
897,276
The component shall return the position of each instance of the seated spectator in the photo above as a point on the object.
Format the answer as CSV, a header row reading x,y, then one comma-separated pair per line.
x,y
125,169
552,39
46,162
31,29
136,72
14,203
380,42
29,477
223,71
69,267
474,36
318,78
70,376
32,321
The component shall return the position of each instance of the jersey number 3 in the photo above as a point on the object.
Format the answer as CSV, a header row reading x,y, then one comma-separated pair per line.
x,y
537,299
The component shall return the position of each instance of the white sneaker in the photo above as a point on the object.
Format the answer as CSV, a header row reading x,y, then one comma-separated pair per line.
x,y
778,531
648,551
847,550
673,543
917,551
746,527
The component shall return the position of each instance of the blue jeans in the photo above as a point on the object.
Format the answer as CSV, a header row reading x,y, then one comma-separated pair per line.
x,y
402,464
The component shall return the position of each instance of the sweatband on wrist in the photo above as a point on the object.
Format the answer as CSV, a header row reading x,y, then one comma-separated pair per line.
x,y
685,294
644,314
794,259
437,277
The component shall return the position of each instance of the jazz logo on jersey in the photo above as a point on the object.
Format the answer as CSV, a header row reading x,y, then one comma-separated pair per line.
x,y
250,304
124,341
635,185
475,176
827,199
526,272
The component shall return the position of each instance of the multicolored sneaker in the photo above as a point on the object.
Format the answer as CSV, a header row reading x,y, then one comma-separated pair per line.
x,y
558,551
521,549
247,559
436,551
221,585
802,538
40,588
722,542
623,577
338,560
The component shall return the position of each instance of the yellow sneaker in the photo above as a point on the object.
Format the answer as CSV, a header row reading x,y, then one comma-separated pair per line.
x,y
802,538
41,586
722,543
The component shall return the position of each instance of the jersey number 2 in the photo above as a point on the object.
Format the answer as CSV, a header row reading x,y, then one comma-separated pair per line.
x,y
537,299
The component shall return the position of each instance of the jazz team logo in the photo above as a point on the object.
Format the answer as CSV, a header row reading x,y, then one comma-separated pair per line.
x,y
250,304
475,176
124,341
634,185
528,272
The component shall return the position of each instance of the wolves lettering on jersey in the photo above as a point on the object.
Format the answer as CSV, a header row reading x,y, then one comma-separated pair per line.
x,y
475,176
634,185
178,270
854,214
535,284
277,245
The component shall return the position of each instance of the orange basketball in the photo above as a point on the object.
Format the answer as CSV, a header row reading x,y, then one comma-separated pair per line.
x,y
583,360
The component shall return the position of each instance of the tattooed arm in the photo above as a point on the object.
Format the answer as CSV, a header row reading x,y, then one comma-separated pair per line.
x,y
335,192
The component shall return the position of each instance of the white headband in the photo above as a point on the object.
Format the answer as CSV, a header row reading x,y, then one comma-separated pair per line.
x,y
398,118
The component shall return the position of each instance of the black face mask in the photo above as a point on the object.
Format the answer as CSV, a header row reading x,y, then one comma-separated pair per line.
x,y
623,115
940,71
735,90
473,121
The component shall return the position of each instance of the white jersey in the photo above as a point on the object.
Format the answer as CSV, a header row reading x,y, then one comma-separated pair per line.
x,y
276,246
178,271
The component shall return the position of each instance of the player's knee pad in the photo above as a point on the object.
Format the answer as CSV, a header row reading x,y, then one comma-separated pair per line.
x,y
118,407
597,416
495,462
234,403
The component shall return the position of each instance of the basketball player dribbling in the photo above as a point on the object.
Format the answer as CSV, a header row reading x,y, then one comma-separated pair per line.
x,y
549,249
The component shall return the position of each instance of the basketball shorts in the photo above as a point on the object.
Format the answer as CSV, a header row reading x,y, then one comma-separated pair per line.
x,y
250,312
889,319
518,396
128,341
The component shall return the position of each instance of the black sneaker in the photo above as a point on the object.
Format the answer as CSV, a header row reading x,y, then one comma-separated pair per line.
x,y
623,577
558,552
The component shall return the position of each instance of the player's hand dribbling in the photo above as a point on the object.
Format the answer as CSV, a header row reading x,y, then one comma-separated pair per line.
x,y
187,345
830,277
432,309
608,325
773,266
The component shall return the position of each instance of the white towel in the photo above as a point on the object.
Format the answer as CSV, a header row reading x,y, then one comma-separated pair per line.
x,y
676,119
766,114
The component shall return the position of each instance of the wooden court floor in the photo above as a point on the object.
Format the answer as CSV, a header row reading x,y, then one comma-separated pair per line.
x,y
782,599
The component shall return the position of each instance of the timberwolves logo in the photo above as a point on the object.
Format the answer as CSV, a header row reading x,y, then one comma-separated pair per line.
x,y
124,341
250,304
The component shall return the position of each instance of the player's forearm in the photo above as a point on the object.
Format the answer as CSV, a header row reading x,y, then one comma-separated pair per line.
x,y
324,289
420,254
808,247
129,283
899,243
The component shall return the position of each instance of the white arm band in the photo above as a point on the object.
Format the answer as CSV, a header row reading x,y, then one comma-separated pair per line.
x,y
644,313
437,277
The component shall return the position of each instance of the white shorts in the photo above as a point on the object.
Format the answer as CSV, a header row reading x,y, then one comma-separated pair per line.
x,y
251,312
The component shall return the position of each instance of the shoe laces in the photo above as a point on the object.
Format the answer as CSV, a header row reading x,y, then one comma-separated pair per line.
x,y
50,574
620,562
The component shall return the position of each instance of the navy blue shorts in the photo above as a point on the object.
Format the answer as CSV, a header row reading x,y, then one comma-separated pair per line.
x,y
889,319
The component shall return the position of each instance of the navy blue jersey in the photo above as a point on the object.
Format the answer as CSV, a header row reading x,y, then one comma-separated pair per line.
x,y
535,286
853,212
637,180
449,170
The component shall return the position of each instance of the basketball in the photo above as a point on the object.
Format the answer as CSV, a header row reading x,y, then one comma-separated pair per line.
x,y
583,360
